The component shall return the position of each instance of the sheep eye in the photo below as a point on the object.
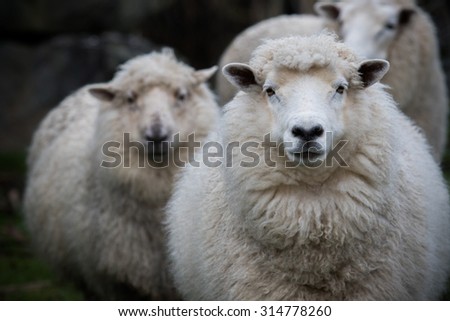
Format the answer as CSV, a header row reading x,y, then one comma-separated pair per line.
x,y
340,90
181,95
270,92
131,98
389,26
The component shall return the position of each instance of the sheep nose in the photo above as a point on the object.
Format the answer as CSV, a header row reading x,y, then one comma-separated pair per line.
x,y
307,134
156,134
156,138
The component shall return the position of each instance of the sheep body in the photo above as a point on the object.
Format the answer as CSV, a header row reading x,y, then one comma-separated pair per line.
x,y
423,95
374,228
101,225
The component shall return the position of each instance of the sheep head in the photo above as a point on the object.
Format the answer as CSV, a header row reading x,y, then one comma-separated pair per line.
x,y
306,95
369,27
152,98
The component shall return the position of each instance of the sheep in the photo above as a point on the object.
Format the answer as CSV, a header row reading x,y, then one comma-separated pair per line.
x,y
101,171
242,46
402,33
328,191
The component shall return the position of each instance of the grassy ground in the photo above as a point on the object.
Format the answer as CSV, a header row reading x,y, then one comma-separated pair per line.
x,y
22,275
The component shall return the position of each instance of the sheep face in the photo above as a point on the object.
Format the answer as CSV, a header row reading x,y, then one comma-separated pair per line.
x,y
368,27
153,112
151,116
308,106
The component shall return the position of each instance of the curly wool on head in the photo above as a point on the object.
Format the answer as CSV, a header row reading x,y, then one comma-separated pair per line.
x,y
154,68
302,53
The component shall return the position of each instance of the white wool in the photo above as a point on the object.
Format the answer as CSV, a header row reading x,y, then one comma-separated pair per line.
x,y
297,56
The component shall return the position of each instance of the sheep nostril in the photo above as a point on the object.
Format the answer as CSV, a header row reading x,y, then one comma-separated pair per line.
x,y
298,131
317,131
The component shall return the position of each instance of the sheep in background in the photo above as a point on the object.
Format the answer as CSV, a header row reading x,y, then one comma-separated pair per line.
x,y
345,200
402,33
95,196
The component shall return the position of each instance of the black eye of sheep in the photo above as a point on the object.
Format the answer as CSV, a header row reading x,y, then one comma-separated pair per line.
x,y
270,92
340,90
181,95
131,98
389,26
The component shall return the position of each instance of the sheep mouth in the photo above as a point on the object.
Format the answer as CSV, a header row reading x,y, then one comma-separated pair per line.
x,y
309,151
307,155
310,156
158,150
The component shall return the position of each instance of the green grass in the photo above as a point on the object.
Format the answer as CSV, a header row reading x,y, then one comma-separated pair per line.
x,y
22,275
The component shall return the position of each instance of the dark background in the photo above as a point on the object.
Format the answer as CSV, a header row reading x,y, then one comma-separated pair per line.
x,y
49,48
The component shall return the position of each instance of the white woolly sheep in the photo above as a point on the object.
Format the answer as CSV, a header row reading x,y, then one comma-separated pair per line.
x,y
99,221
243,45
344,201
402,33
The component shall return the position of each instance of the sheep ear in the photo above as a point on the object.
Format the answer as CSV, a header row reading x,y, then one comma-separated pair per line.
x,y
241,76
327,10
103,93
203,75
404,16
371,71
